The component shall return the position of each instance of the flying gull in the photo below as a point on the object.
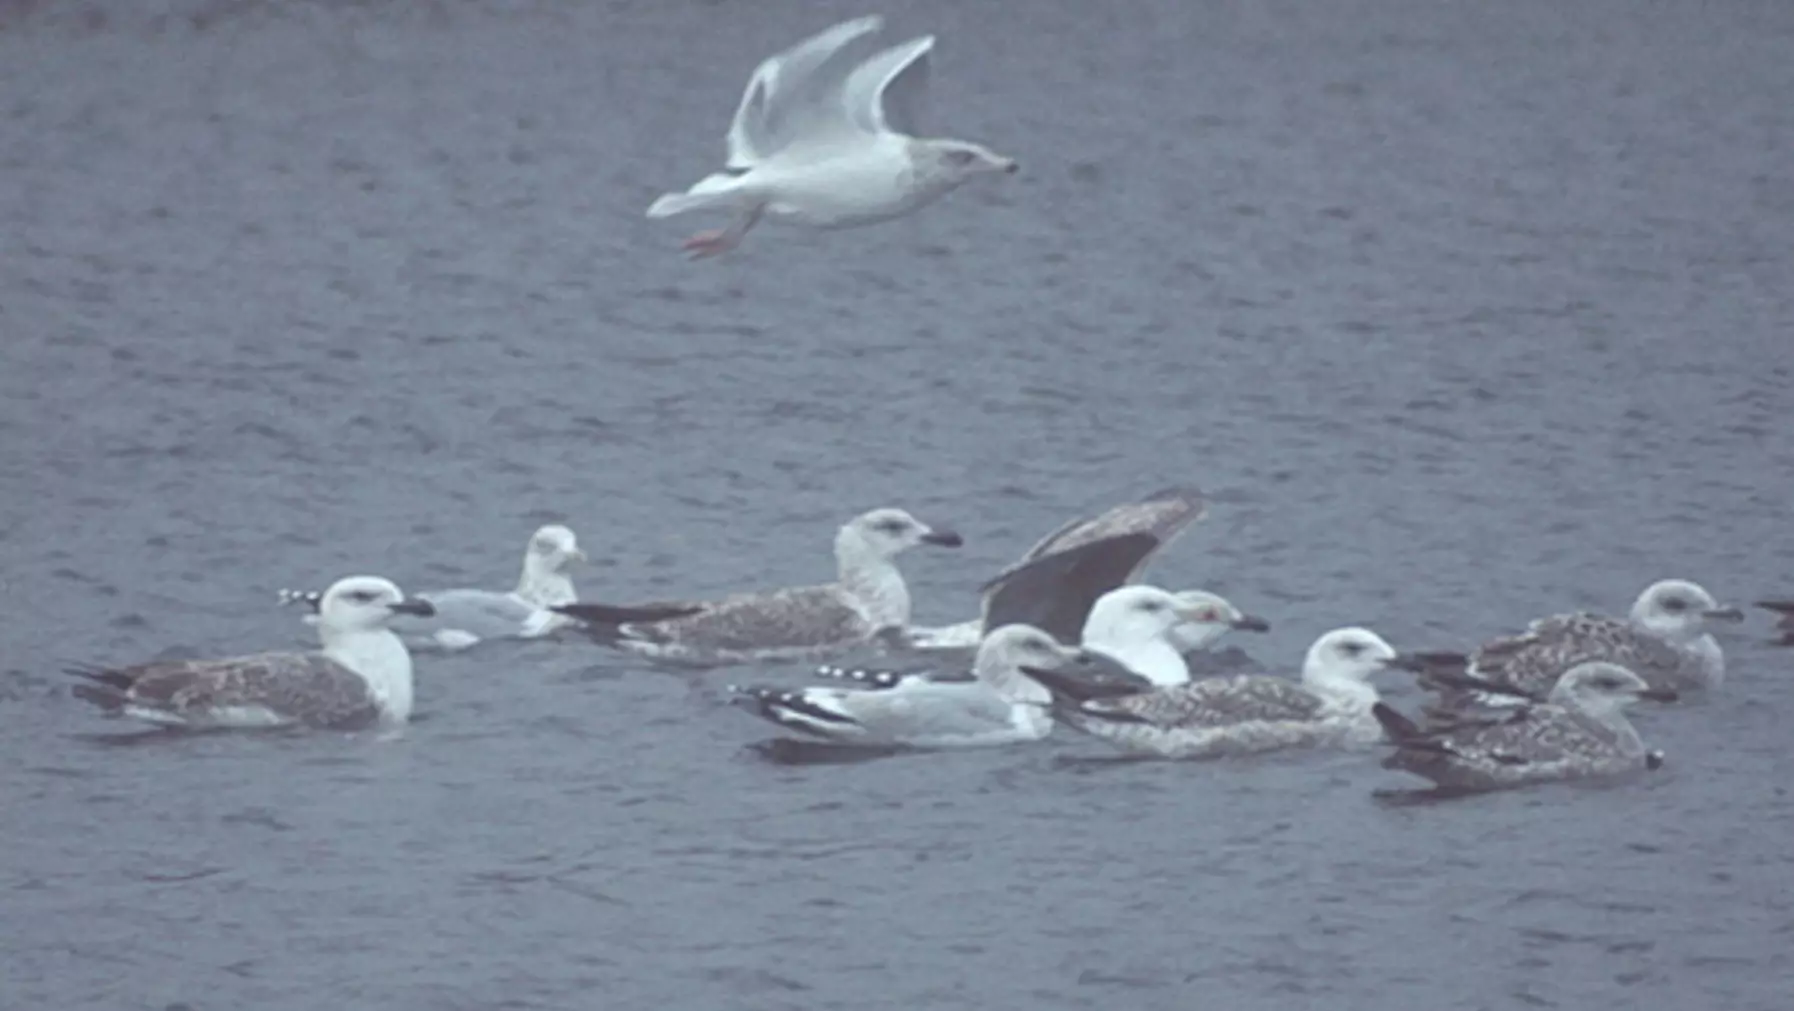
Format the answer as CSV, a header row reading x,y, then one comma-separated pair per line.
x,y
825,138
362,675
867,598
1056,583
1784,609
1664,640
466,617
1238,715
1581,732
1143,629
998,706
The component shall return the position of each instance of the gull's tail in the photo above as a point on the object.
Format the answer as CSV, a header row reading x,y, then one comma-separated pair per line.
x,y
719,190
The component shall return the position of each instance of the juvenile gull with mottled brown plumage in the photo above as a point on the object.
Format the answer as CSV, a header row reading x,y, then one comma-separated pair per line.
x,y
1581,732
361,676
1663,640
1237,715
868,597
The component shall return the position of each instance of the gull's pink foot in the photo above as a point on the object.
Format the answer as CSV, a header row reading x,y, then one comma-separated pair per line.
x,y
711,243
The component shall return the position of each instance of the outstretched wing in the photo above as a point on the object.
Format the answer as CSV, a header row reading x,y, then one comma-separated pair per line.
x,y
888,92
1055,593
794,94
1164,515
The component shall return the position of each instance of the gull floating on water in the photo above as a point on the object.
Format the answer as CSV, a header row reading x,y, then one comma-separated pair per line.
x,y
1146,629
999,706
867,599
361,676
1143,629
1664,640
465,617
1237,715
1581,732
1059,580
827,139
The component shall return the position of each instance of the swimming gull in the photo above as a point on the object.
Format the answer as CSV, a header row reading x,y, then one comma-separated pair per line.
x,y
465,617
1059,579
1239,715
1211,617
868,597
826,139
1784,609
999,706
361,676
1142,628
1581,732
1664,640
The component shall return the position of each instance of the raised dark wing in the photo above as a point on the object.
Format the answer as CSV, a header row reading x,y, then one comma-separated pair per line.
x,y
1163,515
1055,593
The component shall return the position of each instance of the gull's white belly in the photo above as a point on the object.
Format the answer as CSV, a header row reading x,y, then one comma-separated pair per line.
x,y
857,189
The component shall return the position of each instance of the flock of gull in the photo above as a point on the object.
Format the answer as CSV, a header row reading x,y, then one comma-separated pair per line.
x,y
825,136
1068,636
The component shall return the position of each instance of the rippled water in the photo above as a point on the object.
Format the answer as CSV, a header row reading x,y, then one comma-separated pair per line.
x,y
1463,311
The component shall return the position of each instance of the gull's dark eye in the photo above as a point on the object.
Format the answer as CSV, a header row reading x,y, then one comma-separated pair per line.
x,y
1152,606
1674,604
1351,648
893,526
959,158
362,597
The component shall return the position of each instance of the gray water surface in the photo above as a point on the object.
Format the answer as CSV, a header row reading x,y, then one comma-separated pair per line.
x,y
1464,312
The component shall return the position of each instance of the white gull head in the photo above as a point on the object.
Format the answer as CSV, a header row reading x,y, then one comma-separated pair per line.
x,y
1210,616
866,548
1678,611
1340,664
1005,651
1603,690
352,618
1133,625
552,552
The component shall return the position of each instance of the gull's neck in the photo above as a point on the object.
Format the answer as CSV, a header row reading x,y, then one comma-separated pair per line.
x,y
1152,658
381,659
542,586
1679,631
1345,690
1007,680
873,581
1192,635
1607,712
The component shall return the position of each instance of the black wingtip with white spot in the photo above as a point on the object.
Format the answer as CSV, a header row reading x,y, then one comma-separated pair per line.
x,y
313,599
869,677
791,709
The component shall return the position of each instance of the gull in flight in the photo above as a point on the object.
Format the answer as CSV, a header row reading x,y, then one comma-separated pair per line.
x,y
826,139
